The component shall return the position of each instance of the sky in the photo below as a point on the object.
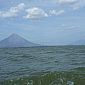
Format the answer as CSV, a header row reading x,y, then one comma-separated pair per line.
x,y
47,22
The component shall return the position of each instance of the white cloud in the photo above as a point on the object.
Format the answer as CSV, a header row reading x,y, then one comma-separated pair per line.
x,y
54,12
79,4
75,4
13,11
66,1
35,13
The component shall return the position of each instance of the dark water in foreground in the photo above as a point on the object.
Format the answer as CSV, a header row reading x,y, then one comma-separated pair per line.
x,y
57,65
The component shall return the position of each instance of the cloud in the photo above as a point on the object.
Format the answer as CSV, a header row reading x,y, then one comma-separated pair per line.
x,y
75,4
13,11
54,12
35,13
79,4
70,2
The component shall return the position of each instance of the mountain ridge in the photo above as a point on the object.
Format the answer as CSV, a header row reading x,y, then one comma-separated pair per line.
x,y
79,42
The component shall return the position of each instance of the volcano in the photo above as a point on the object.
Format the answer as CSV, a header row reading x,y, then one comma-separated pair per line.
x,y
15,40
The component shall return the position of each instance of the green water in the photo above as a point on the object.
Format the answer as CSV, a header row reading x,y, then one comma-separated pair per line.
x,y
57,65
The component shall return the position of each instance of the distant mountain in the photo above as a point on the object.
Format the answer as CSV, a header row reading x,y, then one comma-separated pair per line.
x,y
16,41
79,42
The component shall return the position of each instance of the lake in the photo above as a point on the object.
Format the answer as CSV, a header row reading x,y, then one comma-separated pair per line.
x,y
47,65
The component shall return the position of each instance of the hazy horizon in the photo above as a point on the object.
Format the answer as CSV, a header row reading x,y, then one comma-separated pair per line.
x,y
45,22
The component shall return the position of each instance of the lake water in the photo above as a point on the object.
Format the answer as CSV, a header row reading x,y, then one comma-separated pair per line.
x,y
51,65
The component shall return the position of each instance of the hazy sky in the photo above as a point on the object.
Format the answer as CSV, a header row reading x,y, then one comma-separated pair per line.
x,y
43,21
